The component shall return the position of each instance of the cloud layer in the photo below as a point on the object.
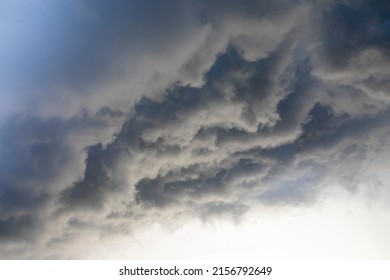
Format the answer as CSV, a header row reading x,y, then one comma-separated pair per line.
x,y
121,115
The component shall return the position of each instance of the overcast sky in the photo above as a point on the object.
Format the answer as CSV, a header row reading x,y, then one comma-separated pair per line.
x,y
194,129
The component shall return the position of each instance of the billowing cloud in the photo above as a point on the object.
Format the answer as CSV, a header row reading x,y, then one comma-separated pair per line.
x,y
125,115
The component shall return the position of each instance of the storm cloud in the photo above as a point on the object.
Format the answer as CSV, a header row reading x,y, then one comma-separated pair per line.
x,y
119,115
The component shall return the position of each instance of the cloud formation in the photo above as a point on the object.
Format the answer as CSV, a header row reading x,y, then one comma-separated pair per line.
x,y
125,114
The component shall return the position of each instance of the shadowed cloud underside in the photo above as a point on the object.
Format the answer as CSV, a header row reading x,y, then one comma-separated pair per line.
x,y
122,115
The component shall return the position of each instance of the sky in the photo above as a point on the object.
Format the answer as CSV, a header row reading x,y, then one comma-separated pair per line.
x,y
194,129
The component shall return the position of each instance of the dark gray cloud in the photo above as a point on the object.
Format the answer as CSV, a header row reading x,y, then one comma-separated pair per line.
x,y
38,159
131,112
20,228
347,29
